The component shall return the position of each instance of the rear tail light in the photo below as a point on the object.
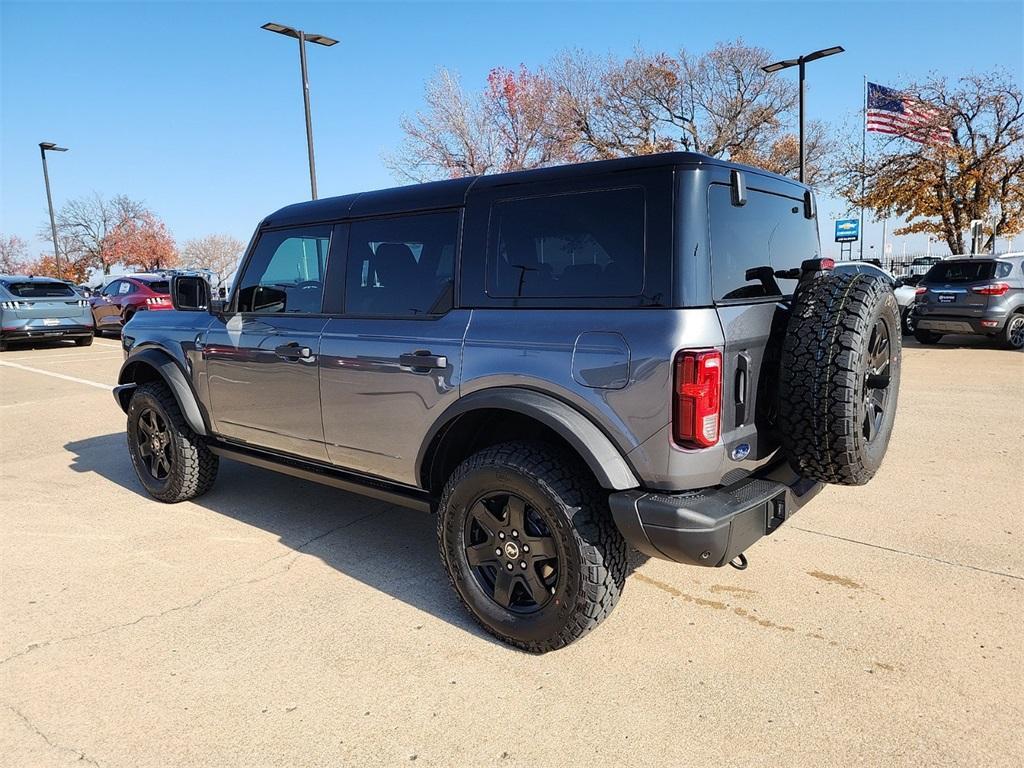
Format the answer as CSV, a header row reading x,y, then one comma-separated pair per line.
x,y
11,304
698,398
992,289
158,300
920,291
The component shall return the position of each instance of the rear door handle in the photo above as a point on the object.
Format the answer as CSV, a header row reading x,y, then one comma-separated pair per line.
x,y
422,361
293,351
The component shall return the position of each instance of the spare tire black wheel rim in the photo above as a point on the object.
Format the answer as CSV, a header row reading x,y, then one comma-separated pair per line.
x,y
877,376
511,553
154,441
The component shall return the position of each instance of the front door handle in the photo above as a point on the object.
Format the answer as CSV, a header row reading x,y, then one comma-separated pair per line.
x,y
422,361
293,351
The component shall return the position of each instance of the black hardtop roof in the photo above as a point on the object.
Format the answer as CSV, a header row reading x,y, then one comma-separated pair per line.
x,y
32,279
452,192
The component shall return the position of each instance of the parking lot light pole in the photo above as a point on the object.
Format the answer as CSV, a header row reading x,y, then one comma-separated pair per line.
x,y
303,37
43,147
801,62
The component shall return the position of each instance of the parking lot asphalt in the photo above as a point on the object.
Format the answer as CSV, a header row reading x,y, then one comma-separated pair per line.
x,y
275,622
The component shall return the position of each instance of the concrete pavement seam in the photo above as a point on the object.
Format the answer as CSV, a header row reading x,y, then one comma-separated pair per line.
x,y
32,727
294,553
910,554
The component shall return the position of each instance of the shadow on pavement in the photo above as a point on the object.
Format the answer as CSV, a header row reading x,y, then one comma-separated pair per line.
x,y
952,341
386,547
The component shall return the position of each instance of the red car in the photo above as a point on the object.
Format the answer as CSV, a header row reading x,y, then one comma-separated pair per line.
x,y
120,299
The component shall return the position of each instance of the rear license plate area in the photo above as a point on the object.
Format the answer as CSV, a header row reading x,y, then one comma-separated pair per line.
x,y
947,298
51,321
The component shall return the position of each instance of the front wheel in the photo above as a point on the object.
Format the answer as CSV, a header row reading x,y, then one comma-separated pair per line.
x,y
83,341
173,462
529,545
909,323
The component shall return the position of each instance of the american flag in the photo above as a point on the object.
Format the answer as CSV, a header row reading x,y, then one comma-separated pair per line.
x,y
892,112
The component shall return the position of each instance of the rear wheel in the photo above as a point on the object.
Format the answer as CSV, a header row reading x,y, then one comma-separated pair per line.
x,y
927,337
529,545
908,320
840,378
173,462
1013,334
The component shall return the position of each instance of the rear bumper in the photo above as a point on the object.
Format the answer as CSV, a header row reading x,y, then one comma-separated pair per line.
x,y
989,322
33,331
711,526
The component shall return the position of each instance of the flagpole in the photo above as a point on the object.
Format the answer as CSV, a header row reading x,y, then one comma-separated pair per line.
x,y
863,162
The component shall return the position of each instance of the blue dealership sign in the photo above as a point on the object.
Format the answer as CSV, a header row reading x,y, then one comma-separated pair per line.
x,y
847,230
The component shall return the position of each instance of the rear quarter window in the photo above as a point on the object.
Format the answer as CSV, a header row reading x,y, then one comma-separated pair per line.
x,y
753,243
158,286
583,244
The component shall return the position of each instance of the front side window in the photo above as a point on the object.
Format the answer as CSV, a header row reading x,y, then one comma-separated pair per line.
x,y
402,266
753,244
588,244
286,272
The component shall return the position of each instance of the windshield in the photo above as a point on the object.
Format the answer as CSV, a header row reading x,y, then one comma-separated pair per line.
x,y
960,272
36,290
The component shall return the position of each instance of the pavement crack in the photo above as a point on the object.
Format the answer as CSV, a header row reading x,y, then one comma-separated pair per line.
x,y
50,742
908,553
294,553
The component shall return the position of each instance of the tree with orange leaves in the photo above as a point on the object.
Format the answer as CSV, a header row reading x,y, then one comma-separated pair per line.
x,y
142,242
940,188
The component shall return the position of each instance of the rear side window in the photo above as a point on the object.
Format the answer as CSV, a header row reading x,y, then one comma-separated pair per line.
x,y
286,272
961,272
39,290
753,243
588,244
401,266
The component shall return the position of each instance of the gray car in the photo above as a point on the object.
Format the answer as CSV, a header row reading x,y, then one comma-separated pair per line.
x,y
975,296
42,308
559,363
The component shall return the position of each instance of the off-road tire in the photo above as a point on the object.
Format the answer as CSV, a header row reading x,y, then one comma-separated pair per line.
x,y
193,466
1012,336
575,509
927,337
824,377
83,341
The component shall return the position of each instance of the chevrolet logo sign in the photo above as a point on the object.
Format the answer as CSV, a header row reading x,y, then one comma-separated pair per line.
x,y
846,225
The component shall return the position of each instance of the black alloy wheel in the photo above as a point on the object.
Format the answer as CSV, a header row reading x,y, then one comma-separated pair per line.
x,y
1014,334
877,377
511,552
154,442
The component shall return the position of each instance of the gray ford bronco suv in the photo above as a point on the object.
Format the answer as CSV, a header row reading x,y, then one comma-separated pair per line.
x,y
558,362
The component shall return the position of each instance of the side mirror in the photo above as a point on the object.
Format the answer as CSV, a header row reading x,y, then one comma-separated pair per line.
x,y
899,282
190,293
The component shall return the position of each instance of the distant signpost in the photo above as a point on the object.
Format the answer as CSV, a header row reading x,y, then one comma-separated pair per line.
x,y
847,230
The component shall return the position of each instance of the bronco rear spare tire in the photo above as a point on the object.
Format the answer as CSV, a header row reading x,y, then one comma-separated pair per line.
x,y
840,376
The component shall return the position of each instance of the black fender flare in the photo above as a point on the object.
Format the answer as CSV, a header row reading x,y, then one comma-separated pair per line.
x,y
170,371
590,443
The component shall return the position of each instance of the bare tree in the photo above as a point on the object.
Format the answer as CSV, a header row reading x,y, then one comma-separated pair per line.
x,y
13,254
85,226
584,107
218,253
939,187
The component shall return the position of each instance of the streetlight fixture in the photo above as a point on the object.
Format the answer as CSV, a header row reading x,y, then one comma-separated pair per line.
x,y
44,147
303,37
800,62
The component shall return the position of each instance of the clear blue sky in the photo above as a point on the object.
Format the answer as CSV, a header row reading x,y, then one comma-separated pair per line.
x,y
194,109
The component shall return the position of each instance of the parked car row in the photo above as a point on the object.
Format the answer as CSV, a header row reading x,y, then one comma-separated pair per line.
x,y
42,308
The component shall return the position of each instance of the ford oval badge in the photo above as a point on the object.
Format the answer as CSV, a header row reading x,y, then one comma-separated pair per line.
x,y
740,452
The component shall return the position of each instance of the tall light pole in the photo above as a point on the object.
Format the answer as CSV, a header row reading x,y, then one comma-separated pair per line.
x,y
801,62
45,146
302,37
